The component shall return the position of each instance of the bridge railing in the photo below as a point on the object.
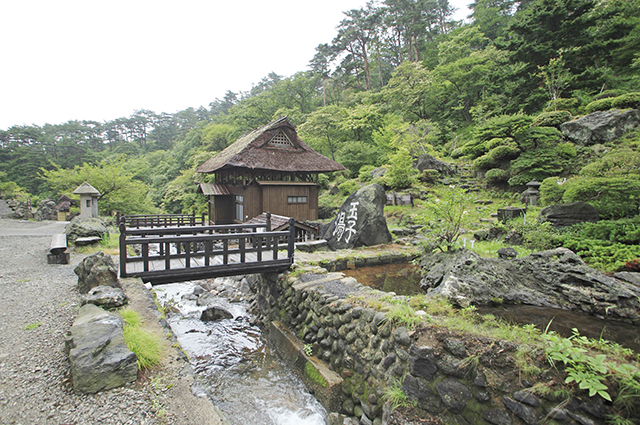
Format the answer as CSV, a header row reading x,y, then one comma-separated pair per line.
x,y
160,220
222,249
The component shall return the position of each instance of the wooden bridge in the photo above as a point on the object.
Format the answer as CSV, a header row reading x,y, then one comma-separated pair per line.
x,y
169,248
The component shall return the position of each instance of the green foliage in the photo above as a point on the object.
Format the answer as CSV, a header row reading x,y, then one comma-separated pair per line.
x,y
551,191
559,105
602,255
9,189
401,173
444,217
599,105
589,372
551,119
613,197
403,315
348,187
503,126
496,176
598,373
394,395
626,101
113,178
364,175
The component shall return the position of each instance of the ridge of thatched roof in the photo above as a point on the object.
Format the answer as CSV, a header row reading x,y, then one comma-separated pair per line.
x,y
254,151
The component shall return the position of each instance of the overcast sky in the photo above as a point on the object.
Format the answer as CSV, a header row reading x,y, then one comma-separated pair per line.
x,y
100,60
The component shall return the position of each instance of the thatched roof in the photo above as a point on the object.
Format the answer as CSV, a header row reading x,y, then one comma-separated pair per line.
x,y
275,146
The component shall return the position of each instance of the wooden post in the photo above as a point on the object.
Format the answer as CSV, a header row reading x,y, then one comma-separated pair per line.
x,y
242,245
123,250
145,256
268,221
292,237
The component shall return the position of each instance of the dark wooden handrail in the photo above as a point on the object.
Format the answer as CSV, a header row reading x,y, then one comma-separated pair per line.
x,y
201,241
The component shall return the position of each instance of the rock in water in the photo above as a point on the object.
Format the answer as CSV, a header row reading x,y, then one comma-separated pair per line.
x,y
96,270
98,354
215,313
360,221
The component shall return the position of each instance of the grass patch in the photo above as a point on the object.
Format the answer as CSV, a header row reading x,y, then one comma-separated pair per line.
x,y
394,395
147,346
110,245
32,326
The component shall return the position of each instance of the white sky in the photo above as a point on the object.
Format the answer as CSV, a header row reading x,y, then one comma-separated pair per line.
x,y
100,60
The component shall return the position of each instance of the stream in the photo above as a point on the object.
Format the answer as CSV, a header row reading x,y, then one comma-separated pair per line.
x,y
243,375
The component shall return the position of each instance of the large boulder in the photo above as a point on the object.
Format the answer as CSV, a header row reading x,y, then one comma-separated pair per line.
x,y
556,278
360,220
85,227
601,126
97,269
560,215
46,210
428,162
98,354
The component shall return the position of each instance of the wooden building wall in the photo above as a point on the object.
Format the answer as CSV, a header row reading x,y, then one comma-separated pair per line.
x,y
274,200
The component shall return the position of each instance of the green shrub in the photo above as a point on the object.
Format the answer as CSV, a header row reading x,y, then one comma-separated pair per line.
x,y
504,152
348,187
613,197
599,105
610,93
503,126
570,105
629,100
364,175
496,176
430,176
483,162
602,255
551,119
551,191
624,231
537,137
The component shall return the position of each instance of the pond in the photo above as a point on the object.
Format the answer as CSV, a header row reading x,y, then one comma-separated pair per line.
x,y
401,278
404,279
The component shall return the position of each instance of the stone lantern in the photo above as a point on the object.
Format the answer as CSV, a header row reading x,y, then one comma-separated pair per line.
x,y
88,200
532,193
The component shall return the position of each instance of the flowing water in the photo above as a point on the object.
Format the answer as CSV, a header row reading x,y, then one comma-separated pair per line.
x,y
244,377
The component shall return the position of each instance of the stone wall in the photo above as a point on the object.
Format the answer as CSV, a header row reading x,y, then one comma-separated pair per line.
x,y
460,379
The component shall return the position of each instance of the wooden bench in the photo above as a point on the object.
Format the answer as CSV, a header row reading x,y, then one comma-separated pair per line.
x,y
57,254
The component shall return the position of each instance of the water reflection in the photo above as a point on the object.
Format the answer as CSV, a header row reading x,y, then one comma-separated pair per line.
x,y
401,278
563,321
244,377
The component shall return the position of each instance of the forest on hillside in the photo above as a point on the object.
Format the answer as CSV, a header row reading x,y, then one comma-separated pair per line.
x,y
399,79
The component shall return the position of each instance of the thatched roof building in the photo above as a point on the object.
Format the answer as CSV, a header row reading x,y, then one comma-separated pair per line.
x,y
266,170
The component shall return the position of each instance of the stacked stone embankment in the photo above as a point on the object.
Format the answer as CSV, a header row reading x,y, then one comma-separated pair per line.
x,y
454,377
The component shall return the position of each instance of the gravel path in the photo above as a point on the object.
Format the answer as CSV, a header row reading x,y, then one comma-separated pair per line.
x,y
38,303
